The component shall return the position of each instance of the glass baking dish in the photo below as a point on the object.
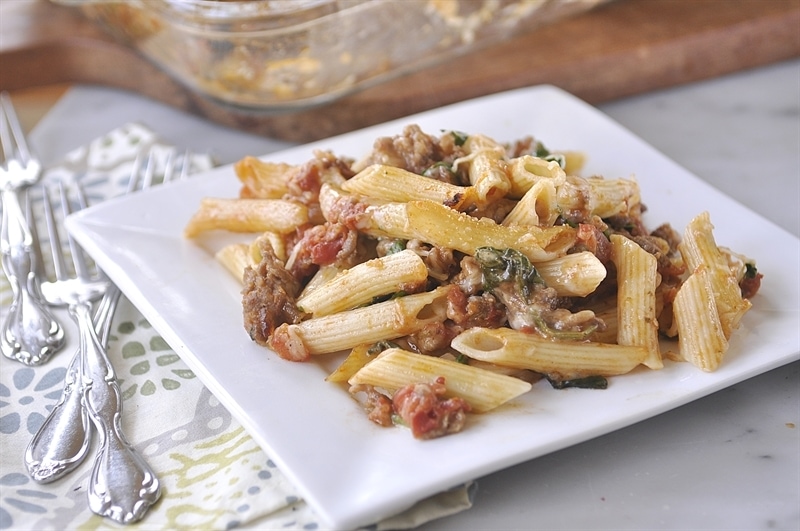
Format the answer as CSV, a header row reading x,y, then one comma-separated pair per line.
x,y
284,54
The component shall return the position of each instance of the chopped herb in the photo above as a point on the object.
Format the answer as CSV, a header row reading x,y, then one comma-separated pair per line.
x,y
461,358
380,346
507,265
441,164
589,382
460,138
541,151
389,297
558,157
510,275
561,220
563,335
396,246
544,153
750,271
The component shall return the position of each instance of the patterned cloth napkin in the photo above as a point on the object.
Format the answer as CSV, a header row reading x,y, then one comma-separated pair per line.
x,y
213,474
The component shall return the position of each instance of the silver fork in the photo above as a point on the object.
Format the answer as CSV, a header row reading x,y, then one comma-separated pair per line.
x,y
62,441
29,334
122,485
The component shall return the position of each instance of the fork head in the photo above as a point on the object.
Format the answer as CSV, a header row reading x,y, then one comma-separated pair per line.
x,y
79,284
19,168
174,168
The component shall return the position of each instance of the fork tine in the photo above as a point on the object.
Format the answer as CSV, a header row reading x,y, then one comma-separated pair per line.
x,y
135,170
5,139
78,259
52,234
5,133
12,121
172,164
82,203
149,170
186,164
169,166
37,248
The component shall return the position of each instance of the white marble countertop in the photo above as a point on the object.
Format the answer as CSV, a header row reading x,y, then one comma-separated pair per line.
x,y
728,461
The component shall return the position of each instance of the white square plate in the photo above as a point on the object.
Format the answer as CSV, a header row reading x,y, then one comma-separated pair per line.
x,y
352,472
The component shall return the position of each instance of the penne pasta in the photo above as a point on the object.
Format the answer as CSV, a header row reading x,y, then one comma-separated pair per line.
x,y
538,207
573,275
699,249
637,279
355,360
246,215
701,338
526,171
606,311
388,183
573,161
483,390
364,282
444,227
598,196
235,257
261,179
487,168
275,241
564,360
322,276
378,322
610,197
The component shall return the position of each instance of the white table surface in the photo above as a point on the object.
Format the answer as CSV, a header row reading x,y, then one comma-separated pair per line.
x,y
728,461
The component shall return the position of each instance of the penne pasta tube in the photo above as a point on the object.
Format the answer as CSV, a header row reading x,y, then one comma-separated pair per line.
x,y
564,360
442,226
355,360
698,246
573,161
637,279
610,197
370,324
701,339
487,168
275,241
246,215
573,275
538,207
261,179
598,196
363,282
528,170
699,249
389,183
321,277
484,390
606,311
235,258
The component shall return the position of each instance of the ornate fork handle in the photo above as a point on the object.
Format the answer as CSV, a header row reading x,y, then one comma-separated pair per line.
x,y
29,334
122,485
62,441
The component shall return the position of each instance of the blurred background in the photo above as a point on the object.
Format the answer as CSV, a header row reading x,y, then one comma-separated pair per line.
x,y
307,69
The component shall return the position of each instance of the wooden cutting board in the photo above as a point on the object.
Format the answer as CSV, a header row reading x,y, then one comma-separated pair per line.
x,y
618,49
